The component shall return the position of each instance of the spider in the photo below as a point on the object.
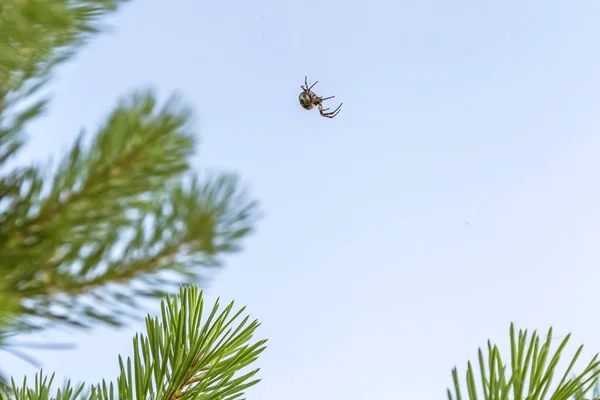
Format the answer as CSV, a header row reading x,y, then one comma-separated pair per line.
x,y
308,99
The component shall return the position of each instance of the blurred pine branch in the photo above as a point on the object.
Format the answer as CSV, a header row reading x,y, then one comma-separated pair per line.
x,y
119,218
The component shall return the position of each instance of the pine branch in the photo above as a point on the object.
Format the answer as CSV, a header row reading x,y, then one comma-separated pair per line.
x,y
115,214
37,35
116,221
184,355
533,366
203,222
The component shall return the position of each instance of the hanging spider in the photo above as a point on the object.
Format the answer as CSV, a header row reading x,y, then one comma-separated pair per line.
x,y
308,99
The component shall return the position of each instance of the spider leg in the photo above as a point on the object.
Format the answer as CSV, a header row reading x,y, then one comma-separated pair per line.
x,y
323,110
329,114
306,83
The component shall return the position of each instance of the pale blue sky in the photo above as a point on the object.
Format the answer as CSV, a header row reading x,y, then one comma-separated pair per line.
x,y
457,190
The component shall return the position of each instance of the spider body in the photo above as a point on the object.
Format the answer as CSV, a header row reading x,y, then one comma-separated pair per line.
x,y
309,99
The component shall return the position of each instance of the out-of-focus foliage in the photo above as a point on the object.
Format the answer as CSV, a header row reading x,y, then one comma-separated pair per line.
x,y
184,355
121,216
35,36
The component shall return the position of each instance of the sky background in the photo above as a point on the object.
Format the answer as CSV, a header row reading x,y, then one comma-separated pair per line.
x,y
457,190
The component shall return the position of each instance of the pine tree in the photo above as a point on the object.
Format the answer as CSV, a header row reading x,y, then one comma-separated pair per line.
x,y
121,216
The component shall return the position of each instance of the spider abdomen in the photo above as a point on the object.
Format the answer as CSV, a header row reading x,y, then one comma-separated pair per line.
x,y
306,101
